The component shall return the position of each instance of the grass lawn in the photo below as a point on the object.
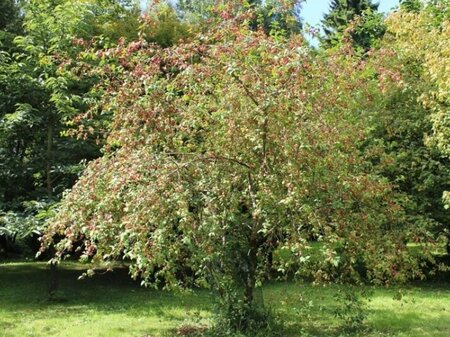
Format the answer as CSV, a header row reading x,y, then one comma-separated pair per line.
x,y
112,305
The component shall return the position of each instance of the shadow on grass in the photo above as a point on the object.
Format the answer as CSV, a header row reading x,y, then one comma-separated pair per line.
x,y
305,309
23,287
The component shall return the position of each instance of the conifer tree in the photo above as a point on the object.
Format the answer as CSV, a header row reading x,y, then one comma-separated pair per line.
x,y
342,13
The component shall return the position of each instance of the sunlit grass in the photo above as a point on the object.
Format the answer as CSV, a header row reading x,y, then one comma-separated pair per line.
x,y
112,305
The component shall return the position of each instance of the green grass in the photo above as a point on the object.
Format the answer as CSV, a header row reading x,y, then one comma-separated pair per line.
x,y
112,305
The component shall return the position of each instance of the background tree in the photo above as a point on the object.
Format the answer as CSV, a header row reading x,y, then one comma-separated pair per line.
x,y
162,25
368,28
411,5
420,39
273,16
195,10
397,147
401,129
10,24
39,98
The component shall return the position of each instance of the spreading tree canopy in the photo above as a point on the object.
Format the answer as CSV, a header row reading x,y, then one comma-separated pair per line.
x,y
229,148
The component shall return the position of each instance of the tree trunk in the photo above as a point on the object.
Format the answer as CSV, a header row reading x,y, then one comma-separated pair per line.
x,y
3,246
49,156
250,281
53,281
448,247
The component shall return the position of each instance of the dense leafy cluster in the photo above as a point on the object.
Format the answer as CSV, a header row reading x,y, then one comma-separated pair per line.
x,y
37,99
420,37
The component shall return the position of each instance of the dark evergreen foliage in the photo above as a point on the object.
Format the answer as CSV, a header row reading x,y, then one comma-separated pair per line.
x,y
341,14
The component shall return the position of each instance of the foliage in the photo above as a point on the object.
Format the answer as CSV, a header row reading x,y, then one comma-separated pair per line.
x,y
32,117
411,5
227,148
30,221
396,147
10,24
161,25
352,308
273,16
420,40
358,19
9,15
274,19
195,10
38,97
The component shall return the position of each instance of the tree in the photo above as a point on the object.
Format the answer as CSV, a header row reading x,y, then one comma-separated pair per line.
x,y
38,98
417,42
397,148
411,5
195,10
276,17
225,149
161,25
273,16
365,31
